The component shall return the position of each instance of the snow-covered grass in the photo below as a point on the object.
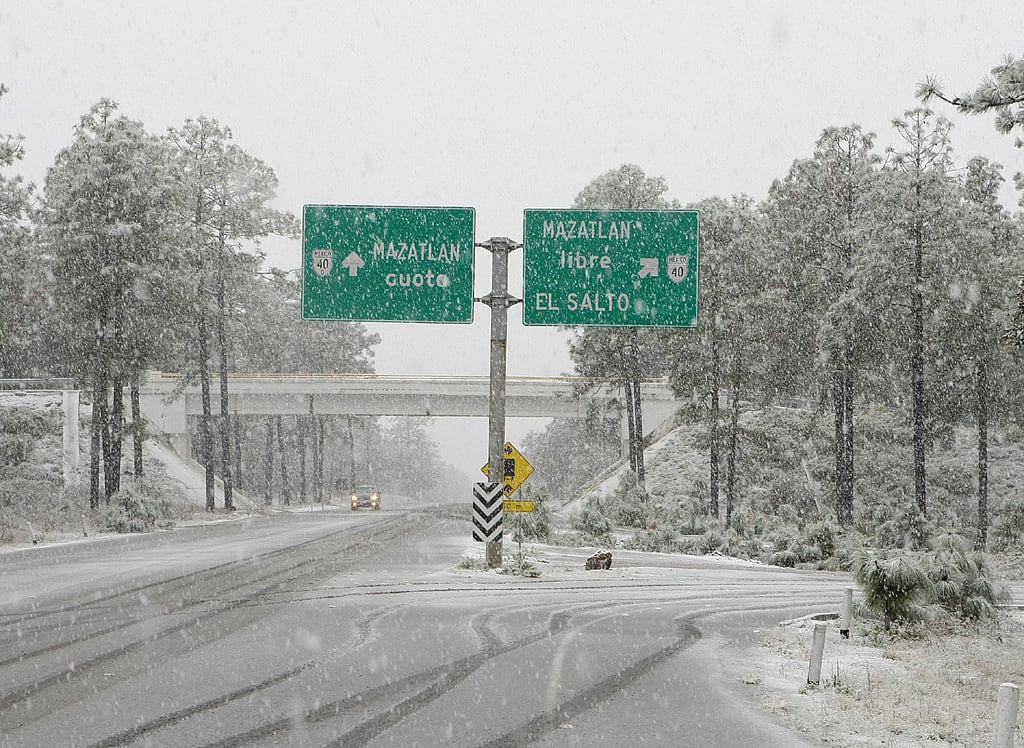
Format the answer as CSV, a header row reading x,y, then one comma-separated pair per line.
x,y
674,466
36,505
936,688
31,476
784,497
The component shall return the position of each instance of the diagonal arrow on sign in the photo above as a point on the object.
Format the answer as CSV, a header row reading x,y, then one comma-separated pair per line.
x,y
648,267
488,506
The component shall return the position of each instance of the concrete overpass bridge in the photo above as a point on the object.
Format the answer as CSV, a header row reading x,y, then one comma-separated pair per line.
x,y
168,405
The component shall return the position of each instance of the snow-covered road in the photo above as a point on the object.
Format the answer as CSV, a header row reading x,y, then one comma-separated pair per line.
x,y
340,628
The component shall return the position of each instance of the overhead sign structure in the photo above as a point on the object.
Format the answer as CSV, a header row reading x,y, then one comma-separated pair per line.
x,y
487,512
387,263
516,470
610,267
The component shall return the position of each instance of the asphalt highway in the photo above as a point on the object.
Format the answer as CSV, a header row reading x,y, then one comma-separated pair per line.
x,y
342,628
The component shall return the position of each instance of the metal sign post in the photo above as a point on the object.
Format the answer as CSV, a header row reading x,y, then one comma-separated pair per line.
x,y
499,301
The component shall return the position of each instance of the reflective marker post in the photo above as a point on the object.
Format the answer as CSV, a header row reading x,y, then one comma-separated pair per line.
x,y
499,301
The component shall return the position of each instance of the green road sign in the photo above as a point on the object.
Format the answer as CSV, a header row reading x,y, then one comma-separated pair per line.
x,y
387,264
610,267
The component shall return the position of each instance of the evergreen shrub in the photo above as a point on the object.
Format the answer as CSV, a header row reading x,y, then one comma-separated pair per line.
x,y
592,523
964,585
895,587
139,507
659,540
905,587
786,559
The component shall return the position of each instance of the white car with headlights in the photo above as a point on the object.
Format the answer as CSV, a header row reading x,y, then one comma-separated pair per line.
x,y
365,496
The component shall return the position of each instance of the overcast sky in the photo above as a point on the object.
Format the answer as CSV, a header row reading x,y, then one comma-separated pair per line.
x,y
499,106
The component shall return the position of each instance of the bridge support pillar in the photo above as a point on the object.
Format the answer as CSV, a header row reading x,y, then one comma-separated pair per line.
x,y
70,448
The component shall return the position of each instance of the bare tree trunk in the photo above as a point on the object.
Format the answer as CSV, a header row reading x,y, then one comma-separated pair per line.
x,y
236,424
321,430
843,443
917,370
630,423
113,478
302,460
715,417
268,464
638,420
225,417
352,454
734,427
316,450
286,492
116,422
99,398
205,420
138,432
848,436
103,393
838,443
982,416
104,330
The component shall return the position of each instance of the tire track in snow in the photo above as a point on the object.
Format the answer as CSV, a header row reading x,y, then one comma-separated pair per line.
x,y
429,685
77,678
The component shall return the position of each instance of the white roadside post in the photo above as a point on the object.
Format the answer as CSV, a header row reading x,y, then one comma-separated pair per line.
x,y
846,613
817,651
1006,715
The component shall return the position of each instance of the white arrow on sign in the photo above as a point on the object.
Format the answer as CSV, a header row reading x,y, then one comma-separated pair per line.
x,y
648,266
353,262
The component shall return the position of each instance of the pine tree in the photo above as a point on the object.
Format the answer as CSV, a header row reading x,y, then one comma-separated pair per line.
x,y
973,368
623,355
1002,92
920,193
110,200
228,195
824,218
21,319
728,354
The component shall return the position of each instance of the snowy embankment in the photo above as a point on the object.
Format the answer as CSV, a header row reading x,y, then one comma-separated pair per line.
x,y
191,476
673,463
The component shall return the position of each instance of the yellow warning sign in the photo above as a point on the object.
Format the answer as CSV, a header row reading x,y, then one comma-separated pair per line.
x,y
516,470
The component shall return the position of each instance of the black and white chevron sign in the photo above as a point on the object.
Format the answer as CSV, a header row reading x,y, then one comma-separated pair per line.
x,y
488,501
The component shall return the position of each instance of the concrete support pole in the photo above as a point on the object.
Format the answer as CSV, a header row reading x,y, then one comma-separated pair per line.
x,y
817,651
1006,715
846,613
70,453
499,301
